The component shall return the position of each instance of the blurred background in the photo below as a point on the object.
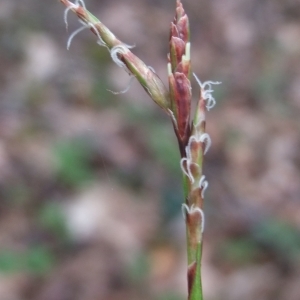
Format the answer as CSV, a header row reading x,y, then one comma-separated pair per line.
x,y
90,183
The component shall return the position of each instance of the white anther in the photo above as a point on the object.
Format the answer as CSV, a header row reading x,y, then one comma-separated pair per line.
x,y
169,68
205,138
187,55
203,184
75,33
207,93
191,210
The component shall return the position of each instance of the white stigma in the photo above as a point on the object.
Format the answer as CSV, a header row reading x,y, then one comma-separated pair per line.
x,y
203,184
119,49
187,170
72,5
191,210
100,40
205,138
207,93
75,33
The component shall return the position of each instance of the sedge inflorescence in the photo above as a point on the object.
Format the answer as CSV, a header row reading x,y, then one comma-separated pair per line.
x,y
176,100
192,137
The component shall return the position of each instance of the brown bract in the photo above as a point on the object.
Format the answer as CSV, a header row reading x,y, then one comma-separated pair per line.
x,y
180,92
179,76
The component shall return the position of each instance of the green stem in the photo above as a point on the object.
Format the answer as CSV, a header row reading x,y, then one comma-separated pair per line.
x,y
195,284
194,249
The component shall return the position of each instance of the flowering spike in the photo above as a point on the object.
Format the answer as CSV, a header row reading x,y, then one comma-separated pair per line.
x,y
121,54
192,138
